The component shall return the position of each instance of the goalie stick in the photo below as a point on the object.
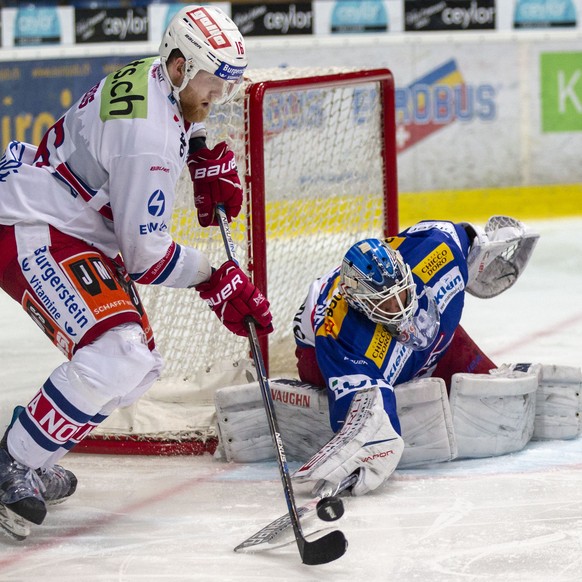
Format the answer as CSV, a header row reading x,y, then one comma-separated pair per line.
x,y
333,545
274,535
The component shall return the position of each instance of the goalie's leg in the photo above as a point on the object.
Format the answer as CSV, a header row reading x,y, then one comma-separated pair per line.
x,y
462,356
308,368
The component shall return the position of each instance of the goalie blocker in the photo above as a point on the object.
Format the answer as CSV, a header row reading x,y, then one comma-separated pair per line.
x,y
487,415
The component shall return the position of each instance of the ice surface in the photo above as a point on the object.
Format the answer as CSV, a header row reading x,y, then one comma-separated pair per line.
x,y
511,518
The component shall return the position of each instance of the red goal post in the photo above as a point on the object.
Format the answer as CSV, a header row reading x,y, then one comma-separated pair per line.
x,y
316,151
255,154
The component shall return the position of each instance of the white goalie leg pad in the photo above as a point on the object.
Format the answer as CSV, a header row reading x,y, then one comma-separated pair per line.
x,y
366,443
302,415
493,414
426,422
558,403
558,399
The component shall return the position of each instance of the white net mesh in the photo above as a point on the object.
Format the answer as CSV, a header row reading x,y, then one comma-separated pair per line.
x,y
324,190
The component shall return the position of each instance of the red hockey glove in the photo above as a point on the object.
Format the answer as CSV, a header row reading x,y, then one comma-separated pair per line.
x,y
234,298
216,181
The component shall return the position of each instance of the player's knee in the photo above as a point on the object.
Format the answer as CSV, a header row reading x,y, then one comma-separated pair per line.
x,y
115,364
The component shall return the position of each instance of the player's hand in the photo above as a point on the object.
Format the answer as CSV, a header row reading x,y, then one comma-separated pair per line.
x,y
216,181
234,299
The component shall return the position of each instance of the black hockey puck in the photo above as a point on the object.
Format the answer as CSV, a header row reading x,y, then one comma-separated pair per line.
x,y
330,508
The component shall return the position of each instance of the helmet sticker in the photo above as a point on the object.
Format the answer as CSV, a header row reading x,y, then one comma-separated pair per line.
x,y
209,28
229,73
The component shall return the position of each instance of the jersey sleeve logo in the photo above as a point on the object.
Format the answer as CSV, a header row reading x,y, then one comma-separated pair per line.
x,y
379,345
10,165
433,263
157,203
335,314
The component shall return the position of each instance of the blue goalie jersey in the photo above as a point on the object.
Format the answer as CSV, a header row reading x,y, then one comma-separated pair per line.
x,y
353,352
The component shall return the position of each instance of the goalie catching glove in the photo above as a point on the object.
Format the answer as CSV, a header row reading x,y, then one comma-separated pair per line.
x,y
234,299
498,256
366,443
216,181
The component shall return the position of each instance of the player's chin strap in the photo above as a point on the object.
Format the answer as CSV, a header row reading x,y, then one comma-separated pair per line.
x,y
499,255
175,90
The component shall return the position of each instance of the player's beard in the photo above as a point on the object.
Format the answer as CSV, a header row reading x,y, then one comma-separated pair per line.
x,y
195,113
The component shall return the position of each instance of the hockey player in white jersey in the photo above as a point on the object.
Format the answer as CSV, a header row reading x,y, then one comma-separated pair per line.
x,y
85,216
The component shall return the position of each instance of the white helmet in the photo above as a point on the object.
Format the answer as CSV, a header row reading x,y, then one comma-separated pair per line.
x,y
210,41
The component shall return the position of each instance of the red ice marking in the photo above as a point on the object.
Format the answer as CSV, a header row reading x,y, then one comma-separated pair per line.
x,y
24,553
557,329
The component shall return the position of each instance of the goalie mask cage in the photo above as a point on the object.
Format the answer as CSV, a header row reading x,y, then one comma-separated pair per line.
x,y
316,152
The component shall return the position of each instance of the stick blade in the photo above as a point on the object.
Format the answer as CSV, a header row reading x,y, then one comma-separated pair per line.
x,y
326,549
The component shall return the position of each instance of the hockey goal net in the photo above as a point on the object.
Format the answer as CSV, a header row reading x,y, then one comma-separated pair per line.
x,y
317,156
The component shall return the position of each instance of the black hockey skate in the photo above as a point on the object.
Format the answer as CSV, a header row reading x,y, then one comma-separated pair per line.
x,y
58,484
21,500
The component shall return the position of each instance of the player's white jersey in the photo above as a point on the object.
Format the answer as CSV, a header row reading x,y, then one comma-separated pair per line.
x,y
106,173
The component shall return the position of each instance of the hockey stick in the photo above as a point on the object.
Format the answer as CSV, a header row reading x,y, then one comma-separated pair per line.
x,y
334,544
270,537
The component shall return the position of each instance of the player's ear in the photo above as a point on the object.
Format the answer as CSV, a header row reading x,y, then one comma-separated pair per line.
x,y
181,67
176,69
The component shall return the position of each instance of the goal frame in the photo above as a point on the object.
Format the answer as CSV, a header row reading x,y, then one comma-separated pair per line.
x,y
255,161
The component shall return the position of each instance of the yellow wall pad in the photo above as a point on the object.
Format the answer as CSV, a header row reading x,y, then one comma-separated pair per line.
x,y
328,215
522,202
